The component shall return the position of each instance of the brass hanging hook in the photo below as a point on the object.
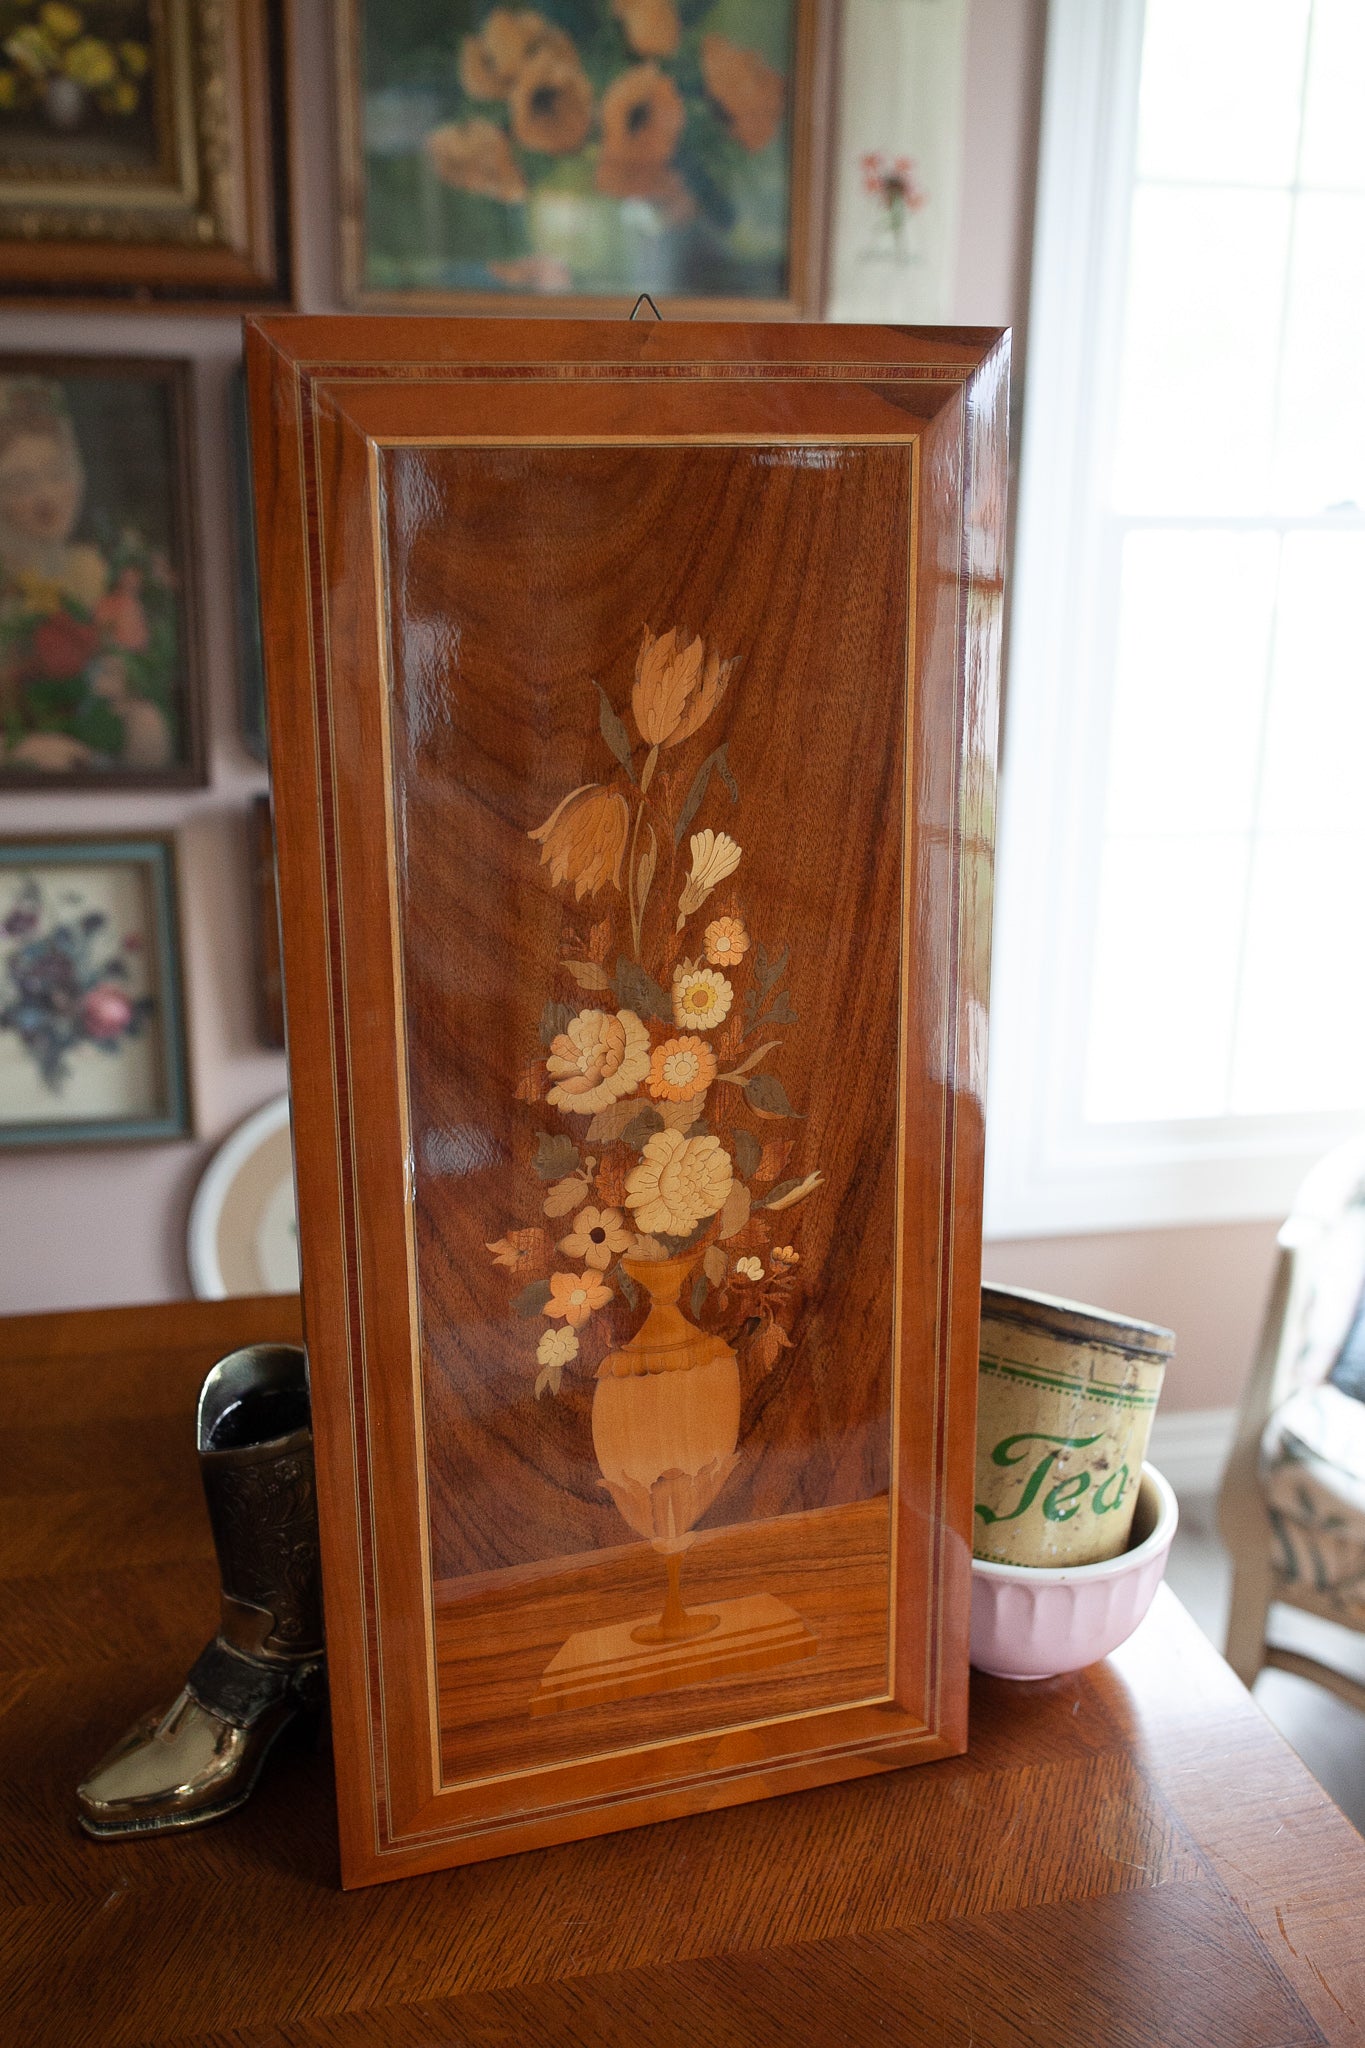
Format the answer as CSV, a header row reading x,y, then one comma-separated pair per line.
x,y
645,300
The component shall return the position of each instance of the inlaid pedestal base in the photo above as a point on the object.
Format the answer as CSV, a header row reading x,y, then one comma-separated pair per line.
x,y
601,1664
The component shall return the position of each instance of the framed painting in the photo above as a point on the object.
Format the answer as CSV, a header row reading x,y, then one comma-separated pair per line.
x,y
507,159
92,1043
99,635
632,696
142,151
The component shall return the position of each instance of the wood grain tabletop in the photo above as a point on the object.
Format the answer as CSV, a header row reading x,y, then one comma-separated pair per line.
x,y
1129,1856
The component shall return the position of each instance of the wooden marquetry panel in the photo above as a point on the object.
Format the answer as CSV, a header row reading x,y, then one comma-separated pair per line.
x,y
633,697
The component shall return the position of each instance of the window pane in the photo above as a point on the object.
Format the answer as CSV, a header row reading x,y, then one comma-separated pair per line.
x,y
1315,729
1301,1020
1205,286
1192,658
1321,454
1166,956
1221,82
1334,124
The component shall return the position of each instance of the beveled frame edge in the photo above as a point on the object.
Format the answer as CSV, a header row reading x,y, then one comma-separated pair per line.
x,y
813,127
278,407
250,265
156,852
178,374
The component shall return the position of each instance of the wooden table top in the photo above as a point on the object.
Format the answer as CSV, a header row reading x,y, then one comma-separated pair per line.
x,y
1129,1856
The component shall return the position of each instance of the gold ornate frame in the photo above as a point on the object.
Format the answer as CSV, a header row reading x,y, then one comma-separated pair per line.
x,y
210,221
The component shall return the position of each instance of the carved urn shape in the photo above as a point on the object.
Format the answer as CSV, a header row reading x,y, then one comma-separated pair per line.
x,y
665,1422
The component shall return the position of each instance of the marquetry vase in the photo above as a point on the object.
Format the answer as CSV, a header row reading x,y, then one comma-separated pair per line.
x,y
665,1423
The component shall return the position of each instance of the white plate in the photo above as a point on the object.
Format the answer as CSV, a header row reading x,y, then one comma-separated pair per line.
x,y
243,1233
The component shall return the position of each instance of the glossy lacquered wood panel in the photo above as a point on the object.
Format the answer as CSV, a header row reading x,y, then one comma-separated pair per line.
x,y
489,552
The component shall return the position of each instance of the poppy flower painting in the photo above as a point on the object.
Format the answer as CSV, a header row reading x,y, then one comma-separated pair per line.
x,y
579,149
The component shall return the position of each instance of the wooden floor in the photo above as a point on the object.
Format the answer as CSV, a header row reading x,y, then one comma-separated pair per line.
x,y
829,1567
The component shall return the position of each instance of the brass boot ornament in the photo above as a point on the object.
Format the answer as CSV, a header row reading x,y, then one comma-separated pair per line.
x,y
201,1757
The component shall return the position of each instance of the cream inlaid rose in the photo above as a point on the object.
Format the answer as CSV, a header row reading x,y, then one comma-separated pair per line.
x,y
679,1181
597,1060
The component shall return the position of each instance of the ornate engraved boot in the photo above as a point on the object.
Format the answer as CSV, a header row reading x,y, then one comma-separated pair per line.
x,y
202,1756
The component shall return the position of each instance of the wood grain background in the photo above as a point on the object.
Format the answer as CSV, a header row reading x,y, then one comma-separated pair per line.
x,y
516,578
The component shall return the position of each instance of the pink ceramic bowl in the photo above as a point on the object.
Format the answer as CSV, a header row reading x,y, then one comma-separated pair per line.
x,y
1030,1622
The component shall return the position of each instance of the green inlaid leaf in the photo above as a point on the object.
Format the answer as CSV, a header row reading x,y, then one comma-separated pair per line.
x,y
766,1096
614,733
532,1298
556,1155
642,1127
638,991
713,764
554,1019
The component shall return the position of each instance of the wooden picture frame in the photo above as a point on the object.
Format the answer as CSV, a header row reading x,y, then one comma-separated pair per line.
x,y
542,273
633,695
152,165
101,655
92,1013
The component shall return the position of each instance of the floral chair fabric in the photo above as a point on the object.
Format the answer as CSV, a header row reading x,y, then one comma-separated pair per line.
x,y
1292,1503
1313,1473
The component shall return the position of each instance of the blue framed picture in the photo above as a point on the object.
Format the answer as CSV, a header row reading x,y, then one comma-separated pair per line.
x,y
92,1034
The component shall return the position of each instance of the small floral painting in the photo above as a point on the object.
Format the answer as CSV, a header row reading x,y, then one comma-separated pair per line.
x,y
93,640
658,1119
89,1015
78,86
583,146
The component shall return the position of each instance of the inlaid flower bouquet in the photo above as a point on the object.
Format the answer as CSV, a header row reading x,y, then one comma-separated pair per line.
x,y
658,1124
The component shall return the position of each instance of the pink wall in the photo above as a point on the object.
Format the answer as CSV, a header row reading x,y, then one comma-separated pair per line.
x,y
91,1226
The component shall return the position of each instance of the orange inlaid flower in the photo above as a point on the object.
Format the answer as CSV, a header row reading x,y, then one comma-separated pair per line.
x,y
597,1237
750,94
680,1069
727,941
551,104
574,1296
642,116
475,156
651,27
584,838
786,1255
677,686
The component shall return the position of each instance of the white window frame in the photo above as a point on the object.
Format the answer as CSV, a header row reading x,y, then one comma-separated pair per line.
x,y
1048,1171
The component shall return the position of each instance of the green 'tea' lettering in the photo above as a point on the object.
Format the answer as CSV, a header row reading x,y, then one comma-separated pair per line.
x,y
1007,1452
1065,1498
1106,1507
